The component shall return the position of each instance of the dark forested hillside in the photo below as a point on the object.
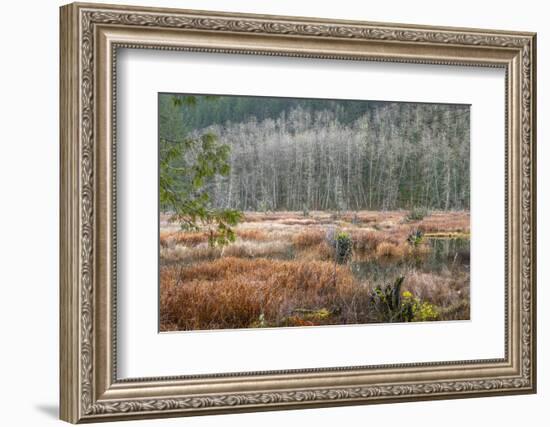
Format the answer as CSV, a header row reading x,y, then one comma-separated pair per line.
x,y
237,109
297,154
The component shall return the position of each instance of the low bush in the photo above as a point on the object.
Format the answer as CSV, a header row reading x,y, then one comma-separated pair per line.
x,y
343,247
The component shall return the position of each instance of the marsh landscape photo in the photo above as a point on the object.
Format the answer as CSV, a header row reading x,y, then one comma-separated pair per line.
x,y
283,212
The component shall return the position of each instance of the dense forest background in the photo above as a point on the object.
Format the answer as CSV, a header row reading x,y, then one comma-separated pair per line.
x,y
313,154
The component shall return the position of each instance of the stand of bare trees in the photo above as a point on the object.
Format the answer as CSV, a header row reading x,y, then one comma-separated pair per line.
x,y
396,155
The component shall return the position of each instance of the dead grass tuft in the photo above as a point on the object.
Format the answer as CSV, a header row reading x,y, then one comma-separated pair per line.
x,y
365,240
308,238
321,252
190,238
253,234
391,250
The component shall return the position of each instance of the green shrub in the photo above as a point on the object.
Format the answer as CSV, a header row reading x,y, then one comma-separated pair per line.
x,y
343,247
340,243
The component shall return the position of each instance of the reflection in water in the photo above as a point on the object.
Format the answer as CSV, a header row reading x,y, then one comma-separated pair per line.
x,y
449,253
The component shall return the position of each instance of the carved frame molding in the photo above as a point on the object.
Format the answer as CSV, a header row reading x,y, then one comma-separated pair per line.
x,y
90,36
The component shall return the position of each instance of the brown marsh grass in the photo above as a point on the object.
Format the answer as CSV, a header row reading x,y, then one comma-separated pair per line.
x,y
234,293
308,238
280,271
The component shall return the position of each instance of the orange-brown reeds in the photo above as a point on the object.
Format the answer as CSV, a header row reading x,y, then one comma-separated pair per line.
x,y
233,292
366,240
190,238
281,266
165,239
391,250
458,222
252,234
308,238
322,252
184,238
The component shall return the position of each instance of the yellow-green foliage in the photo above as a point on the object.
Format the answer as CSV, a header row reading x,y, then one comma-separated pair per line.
x,y
422,311
407,295
426,311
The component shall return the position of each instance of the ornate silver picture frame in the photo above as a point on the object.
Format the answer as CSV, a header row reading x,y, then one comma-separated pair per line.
x,y
91,36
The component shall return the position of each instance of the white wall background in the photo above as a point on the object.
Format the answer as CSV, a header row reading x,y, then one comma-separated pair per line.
x,y
29,171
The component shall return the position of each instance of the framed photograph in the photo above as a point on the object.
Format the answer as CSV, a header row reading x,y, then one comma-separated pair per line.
x,y
266,212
